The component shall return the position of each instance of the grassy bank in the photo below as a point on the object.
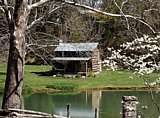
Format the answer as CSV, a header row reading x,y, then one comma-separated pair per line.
x,y
37,80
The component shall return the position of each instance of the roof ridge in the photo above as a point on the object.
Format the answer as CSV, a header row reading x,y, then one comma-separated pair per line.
x,y
76,46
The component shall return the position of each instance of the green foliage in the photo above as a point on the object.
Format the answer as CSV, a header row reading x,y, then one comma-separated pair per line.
x,y
1,88
27,89
101,17
64,93
2,77
75,35
63,86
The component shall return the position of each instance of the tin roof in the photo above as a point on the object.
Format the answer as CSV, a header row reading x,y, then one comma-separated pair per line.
x,y
76,47
71,58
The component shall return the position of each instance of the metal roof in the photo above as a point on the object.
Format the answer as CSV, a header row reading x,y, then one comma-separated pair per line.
x,y
71,58
76,47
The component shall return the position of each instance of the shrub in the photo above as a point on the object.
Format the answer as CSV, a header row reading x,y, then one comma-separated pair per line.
x,y
63,86
27,89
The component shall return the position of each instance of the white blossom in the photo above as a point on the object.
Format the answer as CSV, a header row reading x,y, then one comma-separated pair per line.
x,y
141,54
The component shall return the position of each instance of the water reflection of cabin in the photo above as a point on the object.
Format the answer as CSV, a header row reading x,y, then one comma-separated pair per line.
x,y
77,58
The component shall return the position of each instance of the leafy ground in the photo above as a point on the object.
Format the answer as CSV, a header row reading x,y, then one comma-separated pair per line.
x,y
37,80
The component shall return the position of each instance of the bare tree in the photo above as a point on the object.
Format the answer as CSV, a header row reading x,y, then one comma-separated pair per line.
x,y
17,17
17,13
17,23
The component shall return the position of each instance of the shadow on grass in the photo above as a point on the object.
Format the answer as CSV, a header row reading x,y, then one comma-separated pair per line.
x,y
2,73
46,73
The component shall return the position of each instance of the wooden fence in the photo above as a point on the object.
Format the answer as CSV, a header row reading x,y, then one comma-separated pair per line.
x,y
20,113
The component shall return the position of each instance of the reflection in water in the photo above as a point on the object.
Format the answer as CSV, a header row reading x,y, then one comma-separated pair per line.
x,y
96,99
57,103
108,103
83,104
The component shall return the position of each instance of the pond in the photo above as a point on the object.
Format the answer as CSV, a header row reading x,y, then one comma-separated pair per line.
x,y
83,104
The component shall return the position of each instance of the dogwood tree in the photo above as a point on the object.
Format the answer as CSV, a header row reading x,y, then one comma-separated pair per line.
x,y
141,54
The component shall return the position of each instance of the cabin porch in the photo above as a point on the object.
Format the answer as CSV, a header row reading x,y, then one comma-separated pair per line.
x,y
71,66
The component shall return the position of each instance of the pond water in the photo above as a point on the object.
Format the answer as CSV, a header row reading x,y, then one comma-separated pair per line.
x,y
83,104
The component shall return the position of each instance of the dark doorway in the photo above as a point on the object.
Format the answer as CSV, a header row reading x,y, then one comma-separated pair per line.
x,y
73,67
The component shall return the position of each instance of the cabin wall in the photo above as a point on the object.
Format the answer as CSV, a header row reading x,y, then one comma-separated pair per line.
x,y
96,62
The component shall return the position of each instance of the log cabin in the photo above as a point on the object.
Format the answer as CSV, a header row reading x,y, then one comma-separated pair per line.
x,y
77,58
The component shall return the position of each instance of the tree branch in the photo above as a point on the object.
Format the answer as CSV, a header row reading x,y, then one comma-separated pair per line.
x,y
123,3
35,22
92,10
42,46
41,2
6,10
121,11
36,54
41,18
1,8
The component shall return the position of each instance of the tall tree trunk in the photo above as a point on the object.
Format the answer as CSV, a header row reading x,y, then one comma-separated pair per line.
x,y
15,70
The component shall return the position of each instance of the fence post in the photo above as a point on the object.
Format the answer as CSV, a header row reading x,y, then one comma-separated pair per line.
x,y
68,110
129,104
96,113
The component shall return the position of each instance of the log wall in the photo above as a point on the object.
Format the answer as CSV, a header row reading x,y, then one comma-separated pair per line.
x,y
96,62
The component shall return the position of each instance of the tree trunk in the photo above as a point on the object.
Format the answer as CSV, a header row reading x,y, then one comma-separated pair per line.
x,y
15,70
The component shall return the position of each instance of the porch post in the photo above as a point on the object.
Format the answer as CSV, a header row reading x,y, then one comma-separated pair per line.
x,y
86,68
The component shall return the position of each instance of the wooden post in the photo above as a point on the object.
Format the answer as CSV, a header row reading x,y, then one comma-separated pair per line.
x,y
86,68
129,104
96,113
86,97
68,110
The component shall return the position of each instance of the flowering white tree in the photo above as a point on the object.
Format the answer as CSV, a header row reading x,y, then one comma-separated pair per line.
x,y
141,54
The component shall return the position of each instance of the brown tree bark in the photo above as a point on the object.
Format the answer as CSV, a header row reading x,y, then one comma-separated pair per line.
x,y
15,69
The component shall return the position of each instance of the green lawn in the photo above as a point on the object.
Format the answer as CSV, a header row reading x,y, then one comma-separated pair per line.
x,y
35,82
